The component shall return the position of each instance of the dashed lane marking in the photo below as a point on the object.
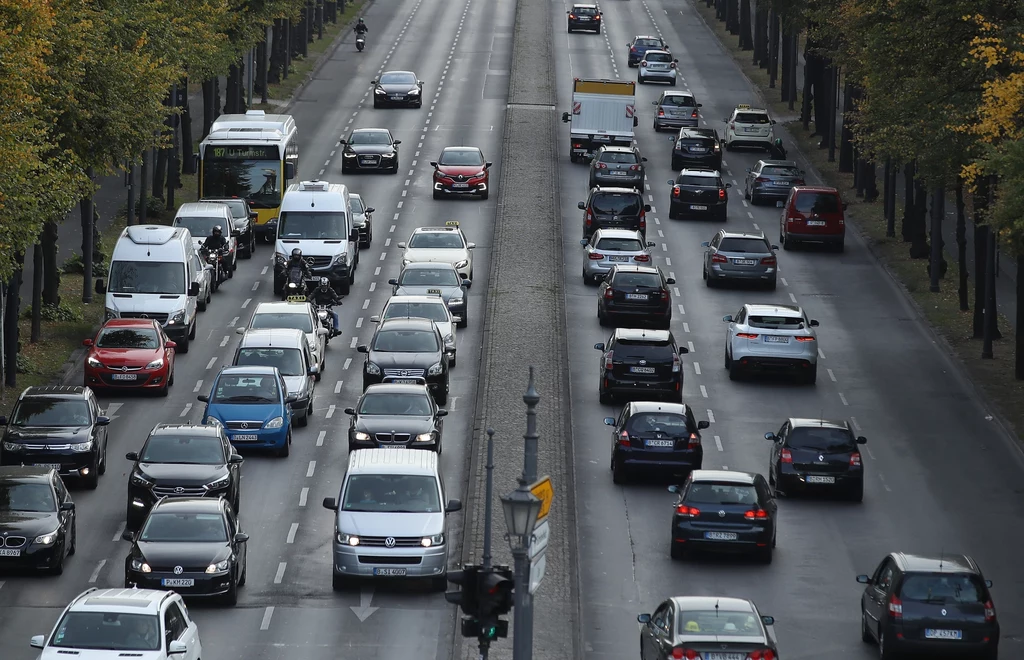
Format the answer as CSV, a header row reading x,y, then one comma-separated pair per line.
x,y
711,416
233,321
255,285
330,411
348,362
373,286
224,342
120,530
856,426
359,322
821,354
320,438
268,614
96,571
696,368
303,496
246,303
793,298
199,386
337,386
704,391
311,469
784,282
264,271
843,399
718,443
831,375
209,365
355,341
686,327
689,345
186,410
291,533
682,310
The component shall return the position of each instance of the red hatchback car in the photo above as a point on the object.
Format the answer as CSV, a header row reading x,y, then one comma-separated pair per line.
x,y
130,354
813,214
461,171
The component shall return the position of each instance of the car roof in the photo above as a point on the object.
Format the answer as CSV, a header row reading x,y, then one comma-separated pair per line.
x,y
642,334
131,601
392,461
778,163
396,388
275,307
24,474
700,171
943,563
658,406
826,189
427,230
462,148
129,323
370,130
733,476
617,233
413,323
693,131
398,71
578,4
743,107
742,234
248,370
686,603
777,310
273,338
190,504
191,429
201,209
428,265
676,92
614,189
646,36
810,422
56,391
630,268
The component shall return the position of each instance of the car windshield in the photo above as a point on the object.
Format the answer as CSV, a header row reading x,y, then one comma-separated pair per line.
x,y
370,137
658,351
127,338
436,312
620,245
820,439
658,57
395,404
246,389
200,227
660,422
750,245
388,493
184,450
721,493
282,320
632,280
428,277
287,360
405,341
776,170
398,78
184,528
237,206
461,157
776,322
163,277
616,203
113,631
628,158
679,100
942,588
433,240
356,204
816,202
46,411
257,181
712,622
700,181
32,498
751,118
311,225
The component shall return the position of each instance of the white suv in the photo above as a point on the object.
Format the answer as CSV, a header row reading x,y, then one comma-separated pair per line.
x,y
113,623
749,127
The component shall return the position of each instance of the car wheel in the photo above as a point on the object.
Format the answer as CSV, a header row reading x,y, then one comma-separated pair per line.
x,y
92,480
856,493
600,318
884,652
192,332
728,360
58,566
728,146
656,127
164,391
442,398
676,550
437,195
287,448
201,304
439,583
302,420
464,322
245,569
640,79
618,471
376,104
484,194
734,371
672,82
764,555
812,377
183,345
840,246
787,244
568,30
73,547
754,200
865,632
605,398
394,170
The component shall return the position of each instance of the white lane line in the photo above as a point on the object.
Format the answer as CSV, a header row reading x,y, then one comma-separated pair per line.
x,y
675,290
232,322
246,303
784,282
359,322
373,286
689,345
387,242
744,202
704,391
868,450
96,571
696,368
209,365
291,533
661,234
756,227
395,218
856,426
725,467
355,340
267,616
188,407
330,411
224,342
843,399
451,403
255,285
793,298
337,386
711,416
303,496
820,354
199,386
668,261
718,443
376,271
657,222
682,310
750,215
280,573
664,247
383,255
686,327
392,230
264,271
831,375
120,530
320,438
366,303
311,469
348,361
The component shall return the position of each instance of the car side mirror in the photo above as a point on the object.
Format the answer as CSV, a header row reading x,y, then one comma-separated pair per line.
x,y
773,122
845,205
236,459
565,117
170,344
241,537
193,290
636,121
748,170
466,282
101,288
670,280
375,318
253,215
370,209
643,160
768,620
728,185
176,648
609,421
393,282
683,350
864,579
321,332
235,233
654,103
240,331
727,318
291,398
401,245
3,421
581,206
643,618
373,82
313,370
775,247
647,208
203,398
128,535
343,141
673,489
700,105
488,165
353,235
470,246
988,583
769,436
37,640
706,244
861,440
67,506
441,412
86,342
453,506
350,411
433,164
132,456
599,346
289,170
363,348
671,182
102,420
651,243
814,323
779,204
703,424
583,241
331,503
397,142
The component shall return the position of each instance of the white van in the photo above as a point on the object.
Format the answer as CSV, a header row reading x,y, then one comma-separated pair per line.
x,y
155,273
199,218
316,217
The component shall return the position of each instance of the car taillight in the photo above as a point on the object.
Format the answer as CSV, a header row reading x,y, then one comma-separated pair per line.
x,y
661,113
896,608
634,168
684,654
664,295
693,115
718,259
766,654
786,456
855,459
694,440
675,191
718,147
756,514
643,63
642,257
769,261
624,439
608,294
597,18
721,193
596,256
608,359
732,126
577,145
690,512
602,166
633,49
590,217
677,366
761,179
746,335
990,611
804,338
643,220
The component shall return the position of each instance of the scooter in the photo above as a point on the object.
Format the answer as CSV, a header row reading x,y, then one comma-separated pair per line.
x,y
360,42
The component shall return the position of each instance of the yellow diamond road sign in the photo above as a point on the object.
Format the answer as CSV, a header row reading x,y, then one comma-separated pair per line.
x,y
545,492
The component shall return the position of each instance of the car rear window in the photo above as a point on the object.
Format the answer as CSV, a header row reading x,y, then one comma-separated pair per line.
x,y
616,203
668,423
643,350
619,245
584,11
704,181
820,439
618,157
817,202
659,57
782,322
627,280
942,588
751,118
721,493
774,170
713,622
754,245
679,100
649,43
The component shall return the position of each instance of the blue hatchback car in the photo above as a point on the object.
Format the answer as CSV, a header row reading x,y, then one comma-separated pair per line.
x,y
652,436
253,406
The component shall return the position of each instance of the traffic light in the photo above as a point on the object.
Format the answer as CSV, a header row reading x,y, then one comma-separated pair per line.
x,y
466,597
494,598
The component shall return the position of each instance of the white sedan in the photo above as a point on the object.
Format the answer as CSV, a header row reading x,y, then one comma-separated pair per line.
x,y
440,244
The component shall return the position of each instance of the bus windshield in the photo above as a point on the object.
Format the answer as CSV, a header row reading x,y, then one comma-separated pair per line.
x,y
258,181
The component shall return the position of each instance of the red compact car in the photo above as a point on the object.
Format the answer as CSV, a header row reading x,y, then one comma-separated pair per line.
x,y
461,171
130,354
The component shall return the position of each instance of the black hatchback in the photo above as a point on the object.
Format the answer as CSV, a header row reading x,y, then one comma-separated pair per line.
x,y
697,147
583,17
655,437
816,455
930,604
639,293
699,192
614,208
641,363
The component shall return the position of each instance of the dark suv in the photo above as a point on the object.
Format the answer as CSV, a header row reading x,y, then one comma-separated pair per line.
x,y
697,147
58,427
699,192
641,364
408,351
614,208
931,604
655,437
811,455
182,460
583,17
639,293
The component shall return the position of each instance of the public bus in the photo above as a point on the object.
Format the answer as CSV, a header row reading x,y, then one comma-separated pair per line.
x,y
250,156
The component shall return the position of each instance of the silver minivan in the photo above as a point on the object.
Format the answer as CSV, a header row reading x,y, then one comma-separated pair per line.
x,y
391,518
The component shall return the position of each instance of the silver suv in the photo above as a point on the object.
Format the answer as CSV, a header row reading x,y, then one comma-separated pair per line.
x,y
744,256
608,247
777,339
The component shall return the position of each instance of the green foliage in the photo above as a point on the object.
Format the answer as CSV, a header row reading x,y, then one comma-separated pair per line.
x,y
55,313
75,266
25,365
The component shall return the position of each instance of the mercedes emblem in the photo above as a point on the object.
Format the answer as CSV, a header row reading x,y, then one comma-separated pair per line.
x,y
143,316
244,425
178,570
179,489
943,611
389,542
405,373
124,368
721,514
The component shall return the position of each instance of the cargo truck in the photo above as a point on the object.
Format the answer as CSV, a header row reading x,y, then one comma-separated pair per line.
x,y
603,112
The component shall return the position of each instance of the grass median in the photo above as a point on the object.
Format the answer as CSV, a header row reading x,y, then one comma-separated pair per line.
x,y
942,310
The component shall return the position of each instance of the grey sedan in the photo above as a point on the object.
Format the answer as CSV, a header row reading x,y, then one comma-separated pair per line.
x,y
740,256
622,167
675,110
771,179
608,247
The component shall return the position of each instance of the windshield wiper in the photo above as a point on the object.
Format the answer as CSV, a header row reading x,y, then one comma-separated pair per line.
x,y
407,511
247,397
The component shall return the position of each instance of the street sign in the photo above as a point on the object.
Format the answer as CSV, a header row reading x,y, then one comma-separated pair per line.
x,y
545,492
539,543
537,567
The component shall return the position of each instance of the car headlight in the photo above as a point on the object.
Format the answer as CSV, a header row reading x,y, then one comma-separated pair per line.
x,y
156,364
456,300
12,446
81,446
379,91
139,565
425,437
449,340
347,539
177,318
462,264
139,480
219,483
213,421
340,260
109,314
280,259
388,155
93,362
219,567
272,222
348,154
480,173
435,370
240,224
47,539
275,423
372,369
362,437
428,541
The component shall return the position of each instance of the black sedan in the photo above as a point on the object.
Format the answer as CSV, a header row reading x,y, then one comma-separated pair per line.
x,y
370,150
37,520
709,628
407,351
724,511
394,415
655,437
771,179
194,546
637,293
182,460
398,88
814,455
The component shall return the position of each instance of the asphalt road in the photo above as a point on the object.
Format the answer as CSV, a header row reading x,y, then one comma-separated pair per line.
x,y
287,608
940,474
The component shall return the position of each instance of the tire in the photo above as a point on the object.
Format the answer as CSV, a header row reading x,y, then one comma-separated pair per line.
x,y
856,493
192,332
245,569
278,285
442,398
657,129
376,104
183,345
676,551
337,582
734,372
746,193
677,165
728,146
302,421
437,195
345,286
884,650
464,322
284,451
788,244
101,467
812,377
773,285
728,360
231,597
58,568
439,583
618,472
451,362
164,391
754,200
484,194
640,80
394,170
672,83
74,539
201,304
605,398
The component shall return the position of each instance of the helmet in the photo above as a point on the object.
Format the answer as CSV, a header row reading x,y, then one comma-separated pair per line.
x,y
217,230
692,626
296,253
360,21
778,142
324,283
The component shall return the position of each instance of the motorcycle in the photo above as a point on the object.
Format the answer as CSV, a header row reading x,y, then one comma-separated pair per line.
x,y
216,261
360,41
323,312
297,288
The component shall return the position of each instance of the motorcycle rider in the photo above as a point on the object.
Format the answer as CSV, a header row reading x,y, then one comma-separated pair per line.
x,y
325,295
777,152
297,262
216,242
360,27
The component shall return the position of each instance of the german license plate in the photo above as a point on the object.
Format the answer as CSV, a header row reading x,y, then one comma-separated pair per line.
x,y
659,443
389,572
744,262
815,223
10,552
178,582
821,480
775,339
49,466
698,207
123,376
751,129
460,185
584,18
405,381
434,291
397,98
698,150
619,173
720,536
641,370
725,656
366,159
618,258
938,633
636,296
245,437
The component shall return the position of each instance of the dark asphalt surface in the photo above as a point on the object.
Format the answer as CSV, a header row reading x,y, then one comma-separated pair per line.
x,y
287,609
940,474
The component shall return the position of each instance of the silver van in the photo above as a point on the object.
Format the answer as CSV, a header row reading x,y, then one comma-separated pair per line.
x,y
391,517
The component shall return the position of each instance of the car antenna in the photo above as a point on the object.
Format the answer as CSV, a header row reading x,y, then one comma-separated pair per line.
x,y
942,557
716,607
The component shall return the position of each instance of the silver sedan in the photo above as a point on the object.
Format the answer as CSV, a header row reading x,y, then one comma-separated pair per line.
x,y
776,339
608,247
740,256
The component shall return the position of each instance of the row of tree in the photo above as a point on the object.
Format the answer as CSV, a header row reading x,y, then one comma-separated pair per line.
x,y
89,87
934,90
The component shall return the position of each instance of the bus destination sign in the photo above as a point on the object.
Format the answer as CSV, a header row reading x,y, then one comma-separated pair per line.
x,y
242,152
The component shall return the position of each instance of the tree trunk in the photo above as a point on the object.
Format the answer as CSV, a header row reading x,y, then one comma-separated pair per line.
x,y
12,310
907,222
846,156
787,56
88,235
173,163
760,34
919,248
188,162
980,257
276,65
1018,359
720,9
260,81
51,270
229,96
961,248
821,104
870,182
209,107
773,49
806,107
936,264
37,293
143,190
746,39
129,217
991,310
794,60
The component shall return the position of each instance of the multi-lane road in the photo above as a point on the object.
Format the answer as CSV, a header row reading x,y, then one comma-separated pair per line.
x,y
941,475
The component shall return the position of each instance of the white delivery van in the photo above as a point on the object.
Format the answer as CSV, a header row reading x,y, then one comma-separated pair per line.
x,y
199,218
155,274
316,217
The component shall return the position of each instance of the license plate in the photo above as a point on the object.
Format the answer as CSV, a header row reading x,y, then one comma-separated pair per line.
x,y
405,381
698,150
774,339
123,376
619,173
433,291
659,443
366,159
936,633
49,466
821,480
397,98
601,138
781,183
460,185
249,437
10,552
618,258
815,223
695,207
720,536
178,582
584,18
744,262
636,296
751,130
641,370
389,572
725,656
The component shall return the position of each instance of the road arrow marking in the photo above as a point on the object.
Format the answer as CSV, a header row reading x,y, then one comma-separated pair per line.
x,y
364,610
112,409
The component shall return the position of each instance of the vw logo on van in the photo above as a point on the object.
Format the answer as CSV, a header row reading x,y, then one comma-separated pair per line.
x,y
389,542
